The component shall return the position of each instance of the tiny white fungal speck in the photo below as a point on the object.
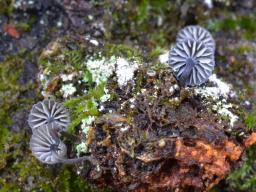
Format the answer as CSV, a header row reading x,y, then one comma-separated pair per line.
x,y
171,90
90,17
151,73
164,57
161,143
59,24
132,106
176,87
124,129
143,91
94,42
101,108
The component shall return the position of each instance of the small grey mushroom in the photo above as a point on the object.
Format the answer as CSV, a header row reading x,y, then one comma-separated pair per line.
x,y
197,33
192,62
47,147
48,112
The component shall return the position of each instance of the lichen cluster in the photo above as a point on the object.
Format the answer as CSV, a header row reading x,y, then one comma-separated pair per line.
x,y
84,87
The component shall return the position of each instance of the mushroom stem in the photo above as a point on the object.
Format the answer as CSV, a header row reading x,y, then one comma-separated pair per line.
x,y
74,160
190,63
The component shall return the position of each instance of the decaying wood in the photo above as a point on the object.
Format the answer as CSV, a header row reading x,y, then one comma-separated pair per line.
x,y
160,146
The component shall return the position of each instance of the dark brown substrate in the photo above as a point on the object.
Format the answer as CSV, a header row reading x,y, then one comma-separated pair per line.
x,y
159,140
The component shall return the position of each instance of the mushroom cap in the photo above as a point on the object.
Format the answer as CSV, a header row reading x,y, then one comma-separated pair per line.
x,y
47,112
196,33
193,60
46,145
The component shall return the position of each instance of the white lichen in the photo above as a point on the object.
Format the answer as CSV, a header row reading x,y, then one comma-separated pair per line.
x,y
67,77
224,110
85,127
218,94
67,90
17,4
101,69
163,58
220,89
125,71
81,148
101,108
43,77
86,123
106,96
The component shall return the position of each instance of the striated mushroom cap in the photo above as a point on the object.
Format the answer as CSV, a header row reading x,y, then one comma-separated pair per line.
x,y
48,112
192,62
46,145
196,33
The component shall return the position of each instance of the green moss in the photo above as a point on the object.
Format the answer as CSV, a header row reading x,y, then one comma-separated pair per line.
x,y
250,121
244,178
65,60
242,25
227,24
84,106
26,26
155,53
144,23
159,66
10,71
243,49
143,11
43,178
68,181
146,7
122,50
17,165
6,7
247,23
